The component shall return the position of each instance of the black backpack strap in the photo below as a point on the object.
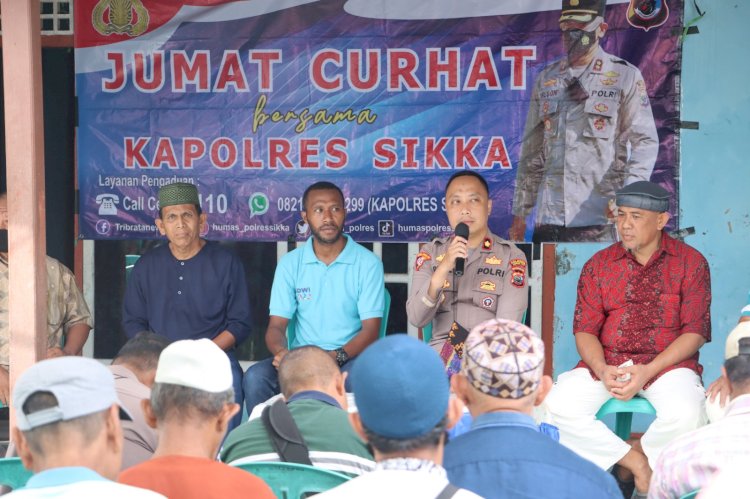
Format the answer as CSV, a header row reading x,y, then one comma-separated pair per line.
x,y
284,434
448,492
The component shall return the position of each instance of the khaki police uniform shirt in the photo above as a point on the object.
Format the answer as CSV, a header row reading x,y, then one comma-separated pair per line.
x,y
577,154
494,285
65,306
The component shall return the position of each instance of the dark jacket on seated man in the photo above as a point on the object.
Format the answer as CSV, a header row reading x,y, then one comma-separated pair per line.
x,y
313,387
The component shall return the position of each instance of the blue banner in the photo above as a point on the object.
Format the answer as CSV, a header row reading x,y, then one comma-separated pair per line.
x,y
255,100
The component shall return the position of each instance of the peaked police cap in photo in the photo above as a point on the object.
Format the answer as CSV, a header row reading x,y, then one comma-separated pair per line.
x,y
583,11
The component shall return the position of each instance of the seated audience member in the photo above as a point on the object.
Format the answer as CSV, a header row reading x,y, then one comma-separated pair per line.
x,y
313,387
689,462
717,394
331,286
68,317
644,301
189,288
134,369
404,406
729,482
504,454
68,431
191,403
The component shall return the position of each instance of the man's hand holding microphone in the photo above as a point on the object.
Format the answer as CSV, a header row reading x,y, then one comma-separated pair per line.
x,y
455,259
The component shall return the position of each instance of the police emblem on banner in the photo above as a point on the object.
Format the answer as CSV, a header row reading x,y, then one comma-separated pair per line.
x,y
647,14
120,17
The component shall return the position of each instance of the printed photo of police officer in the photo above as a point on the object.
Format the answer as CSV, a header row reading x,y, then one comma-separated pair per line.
x,y
589,132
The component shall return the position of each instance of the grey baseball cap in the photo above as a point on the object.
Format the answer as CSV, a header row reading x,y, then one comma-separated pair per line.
x,y
81,386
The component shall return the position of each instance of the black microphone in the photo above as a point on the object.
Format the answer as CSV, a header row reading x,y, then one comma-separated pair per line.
x,y
462,230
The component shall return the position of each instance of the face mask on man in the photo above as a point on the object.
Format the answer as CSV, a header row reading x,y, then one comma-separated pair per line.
x,y
579,42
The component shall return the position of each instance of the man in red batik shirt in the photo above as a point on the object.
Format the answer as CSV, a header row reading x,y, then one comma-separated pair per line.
x,y
645,299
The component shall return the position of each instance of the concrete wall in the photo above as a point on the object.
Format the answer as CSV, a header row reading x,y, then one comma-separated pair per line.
x,y
714,180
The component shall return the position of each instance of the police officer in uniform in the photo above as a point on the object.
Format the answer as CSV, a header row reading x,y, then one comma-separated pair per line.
x,y
589,132
494,283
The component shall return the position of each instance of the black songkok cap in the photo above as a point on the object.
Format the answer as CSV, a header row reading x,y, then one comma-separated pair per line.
x,y
645,195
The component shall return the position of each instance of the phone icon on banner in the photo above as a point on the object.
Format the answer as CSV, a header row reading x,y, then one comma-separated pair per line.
x,y
258,204
107,204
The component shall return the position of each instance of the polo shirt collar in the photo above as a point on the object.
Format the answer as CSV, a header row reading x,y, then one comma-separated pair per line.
x,y
346,256
63,476
314,395
504,418
739,406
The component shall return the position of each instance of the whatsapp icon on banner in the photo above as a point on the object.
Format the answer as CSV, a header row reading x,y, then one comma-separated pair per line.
x,y
258,204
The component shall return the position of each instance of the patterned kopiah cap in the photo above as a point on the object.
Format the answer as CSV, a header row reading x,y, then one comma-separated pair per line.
x,y
644,194
178,193
503,359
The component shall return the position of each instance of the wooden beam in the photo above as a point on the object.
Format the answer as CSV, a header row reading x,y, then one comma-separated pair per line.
x,y
24,142
549,269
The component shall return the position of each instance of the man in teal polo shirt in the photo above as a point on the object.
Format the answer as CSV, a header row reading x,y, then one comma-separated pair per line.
x,y
331,286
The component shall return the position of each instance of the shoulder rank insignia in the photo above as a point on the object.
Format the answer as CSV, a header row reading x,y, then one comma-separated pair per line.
x,y
487,243
487,285
440,257
422,257
550,82
493,260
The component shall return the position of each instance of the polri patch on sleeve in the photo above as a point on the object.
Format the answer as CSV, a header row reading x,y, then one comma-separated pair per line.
x,y
518,272
422,257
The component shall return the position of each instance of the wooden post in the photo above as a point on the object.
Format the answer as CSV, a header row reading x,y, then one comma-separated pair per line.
x,y
24,143
548,305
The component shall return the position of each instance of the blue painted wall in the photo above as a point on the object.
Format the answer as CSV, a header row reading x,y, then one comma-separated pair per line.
x,y
714,181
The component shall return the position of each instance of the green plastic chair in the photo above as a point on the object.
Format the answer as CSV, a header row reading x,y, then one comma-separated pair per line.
x,y
624,413
129,264
294,481
291,326
12,473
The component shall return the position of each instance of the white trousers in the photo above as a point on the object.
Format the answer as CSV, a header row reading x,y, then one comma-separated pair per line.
x,y
678,397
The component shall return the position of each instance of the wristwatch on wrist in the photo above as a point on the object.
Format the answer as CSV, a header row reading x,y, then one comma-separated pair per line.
x,y
341,356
